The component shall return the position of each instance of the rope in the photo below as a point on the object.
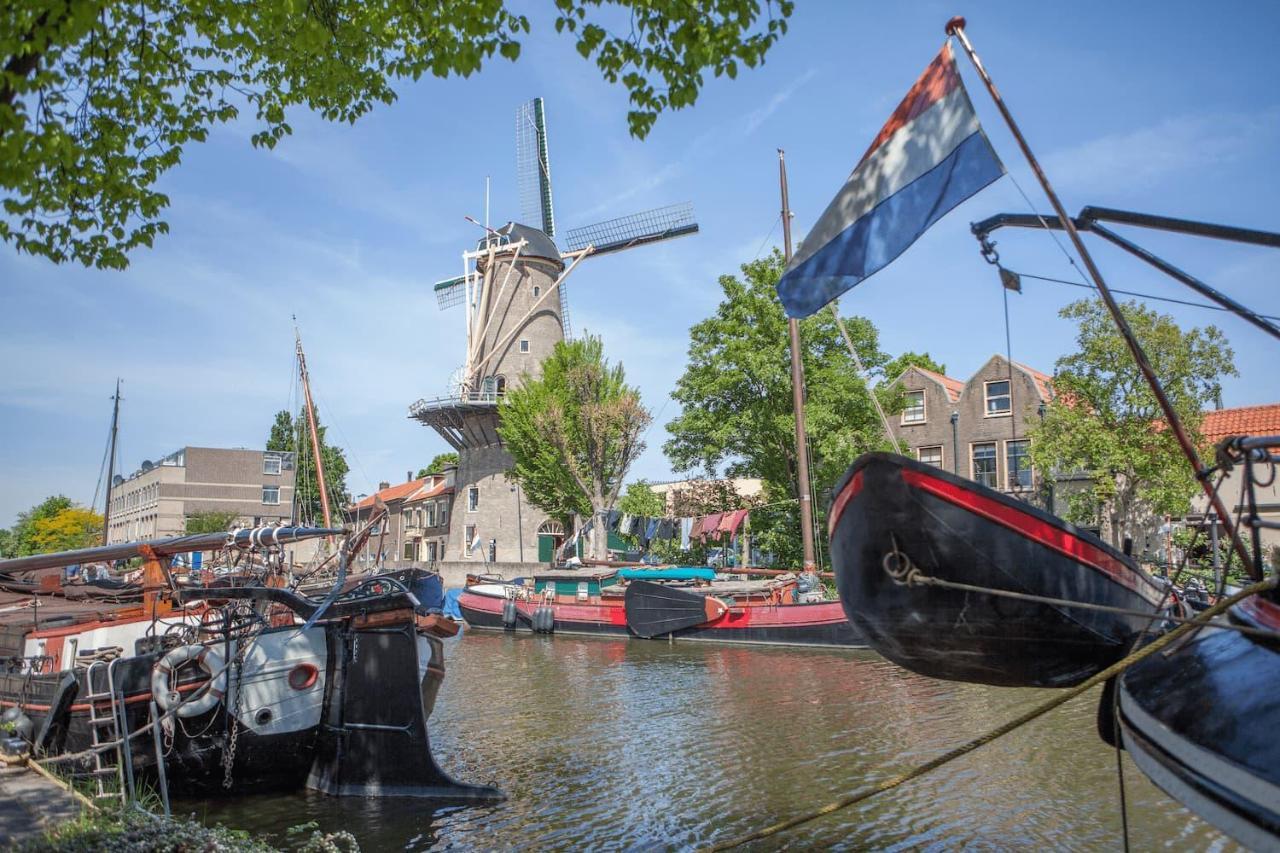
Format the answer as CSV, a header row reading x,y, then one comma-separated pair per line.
x,y
998,732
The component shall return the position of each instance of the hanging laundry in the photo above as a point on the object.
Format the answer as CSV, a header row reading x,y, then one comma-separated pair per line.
x,y
651,531
614,517
666,528
686,531
710,525
627,524
732,521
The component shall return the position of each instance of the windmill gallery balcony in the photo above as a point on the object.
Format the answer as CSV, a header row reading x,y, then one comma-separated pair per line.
x,y
467,419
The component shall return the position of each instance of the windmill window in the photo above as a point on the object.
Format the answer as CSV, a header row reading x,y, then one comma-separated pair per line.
x,y
914,412
998,400
524,346
473,499
500,385
537,291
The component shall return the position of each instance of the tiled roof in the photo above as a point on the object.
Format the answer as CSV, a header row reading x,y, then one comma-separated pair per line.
x,y
440,488
1246,420
395,493
952,386
1044,382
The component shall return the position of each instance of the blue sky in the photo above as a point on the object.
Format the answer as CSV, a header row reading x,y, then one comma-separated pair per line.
x,y
1155,107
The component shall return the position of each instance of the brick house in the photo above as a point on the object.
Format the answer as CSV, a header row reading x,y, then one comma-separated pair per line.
x,y
977,428
416,529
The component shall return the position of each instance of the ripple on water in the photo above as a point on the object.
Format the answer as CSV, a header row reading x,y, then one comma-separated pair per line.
x,y
634,745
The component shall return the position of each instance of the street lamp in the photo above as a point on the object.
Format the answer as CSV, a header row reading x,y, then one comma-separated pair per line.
x,y
955,444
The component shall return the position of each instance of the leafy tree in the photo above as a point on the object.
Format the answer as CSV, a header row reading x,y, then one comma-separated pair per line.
x,y
211,521
98,100
737,405
438,464
899,365
1105,421
574,433
6,543
641,499
291,435
20,540
67,529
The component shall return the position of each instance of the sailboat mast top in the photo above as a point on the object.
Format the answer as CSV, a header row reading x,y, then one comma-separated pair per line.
x,y
797,390
955,27
321,484
111,465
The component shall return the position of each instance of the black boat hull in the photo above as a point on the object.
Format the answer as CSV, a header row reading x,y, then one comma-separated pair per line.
x,y
892,515
1200,722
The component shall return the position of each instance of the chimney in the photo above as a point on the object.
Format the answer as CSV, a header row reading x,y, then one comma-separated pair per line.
x,y
408,476
384,485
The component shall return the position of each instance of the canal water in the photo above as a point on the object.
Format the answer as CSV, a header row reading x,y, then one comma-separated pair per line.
x,y
631,744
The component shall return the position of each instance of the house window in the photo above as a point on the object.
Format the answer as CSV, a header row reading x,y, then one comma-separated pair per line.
x,y
271,463
469,536
410,552
984,464
431,515
998,400
431,552
444,515
271,494
524,346
930,455
914,412
1018,464
473,499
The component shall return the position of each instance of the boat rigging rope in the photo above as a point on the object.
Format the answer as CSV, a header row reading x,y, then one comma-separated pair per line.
x,y
1062,698
906,574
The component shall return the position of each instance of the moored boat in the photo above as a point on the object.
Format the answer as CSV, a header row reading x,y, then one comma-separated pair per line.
x,y
898,525
680,603
231,689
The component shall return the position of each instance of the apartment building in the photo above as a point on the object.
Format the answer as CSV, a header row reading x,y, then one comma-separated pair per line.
x,y
416,529
156,500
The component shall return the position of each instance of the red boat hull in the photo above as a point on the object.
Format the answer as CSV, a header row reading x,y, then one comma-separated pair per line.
x,y
819,624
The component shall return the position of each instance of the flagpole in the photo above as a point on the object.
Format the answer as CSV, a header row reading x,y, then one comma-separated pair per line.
x,y
955,27
797,390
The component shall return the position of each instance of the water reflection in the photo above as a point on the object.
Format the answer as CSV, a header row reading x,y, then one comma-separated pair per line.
x,y
645,745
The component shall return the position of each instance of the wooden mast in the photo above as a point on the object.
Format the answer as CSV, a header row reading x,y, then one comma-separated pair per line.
x,y
955,27
797,390
111,465
315,438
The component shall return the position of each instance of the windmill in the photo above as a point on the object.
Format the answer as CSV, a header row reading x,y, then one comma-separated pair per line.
x,y
515,309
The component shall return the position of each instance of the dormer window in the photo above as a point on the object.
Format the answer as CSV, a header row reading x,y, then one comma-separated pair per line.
x,y
998,399
914,412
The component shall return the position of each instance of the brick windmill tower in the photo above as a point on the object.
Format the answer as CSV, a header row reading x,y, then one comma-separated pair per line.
x,y
515,304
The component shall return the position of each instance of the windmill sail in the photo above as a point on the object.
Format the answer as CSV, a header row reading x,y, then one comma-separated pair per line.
x,y
450,292
638,229
533,166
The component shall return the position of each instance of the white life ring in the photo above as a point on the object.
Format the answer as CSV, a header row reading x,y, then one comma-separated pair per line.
x,y
164,686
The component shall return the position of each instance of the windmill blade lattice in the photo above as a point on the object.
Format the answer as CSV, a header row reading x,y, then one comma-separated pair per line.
x,y
638,229
533,167
450,292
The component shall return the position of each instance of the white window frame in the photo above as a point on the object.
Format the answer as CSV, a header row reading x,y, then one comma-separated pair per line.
x,y
468,534
1008,469
431,552
942,454
275,489
430,515
986,400
410,551
272,456
973,469
924,411
524,345
473,499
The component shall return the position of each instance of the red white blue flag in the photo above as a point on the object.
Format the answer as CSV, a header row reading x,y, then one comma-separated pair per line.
x,y
930,156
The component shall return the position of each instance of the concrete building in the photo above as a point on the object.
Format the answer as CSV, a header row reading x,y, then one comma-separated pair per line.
x,y
976,429
515,323
157,499
416,529
675,493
